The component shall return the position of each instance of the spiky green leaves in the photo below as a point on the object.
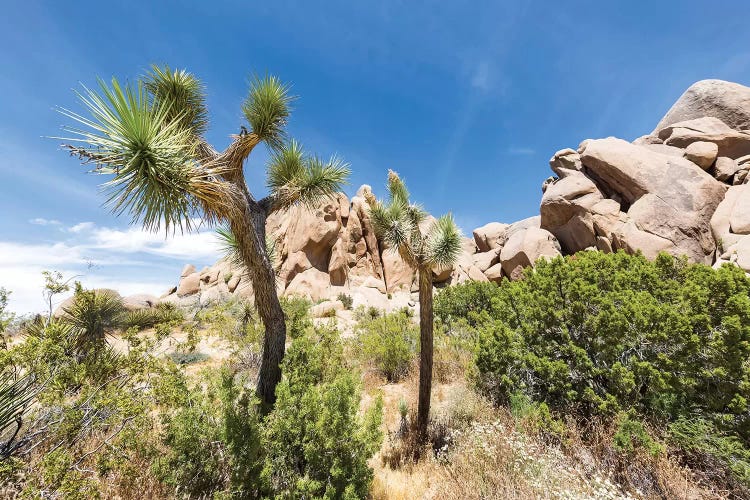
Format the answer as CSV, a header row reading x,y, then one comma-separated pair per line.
x,y
231,247
93,314
16,395
182,94
267,109
296,178
156,180
397,223
443,242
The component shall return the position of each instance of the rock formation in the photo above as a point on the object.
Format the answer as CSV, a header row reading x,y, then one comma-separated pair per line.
x,y
683,189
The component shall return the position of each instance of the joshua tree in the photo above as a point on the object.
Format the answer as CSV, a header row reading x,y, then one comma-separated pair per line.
x,y
149,136
397,223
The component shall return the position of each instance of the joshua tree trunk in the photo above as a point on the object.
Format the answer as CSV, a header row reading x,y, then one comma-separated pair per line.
x,y
425,353
249,228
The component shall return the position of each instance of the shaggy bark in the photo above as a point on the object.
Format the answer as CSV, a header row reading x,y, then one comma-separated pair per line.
x,y
425,354
248,224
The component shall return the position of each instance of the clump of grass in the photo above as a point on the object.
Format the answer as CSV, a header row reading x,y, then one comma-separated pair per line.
x,y
346,299
141,319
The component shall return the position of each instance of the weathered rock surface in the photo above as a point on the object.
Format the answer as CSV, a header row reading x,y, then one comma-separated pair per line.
x,y
727,101
526,246
668,191
702,153
139,301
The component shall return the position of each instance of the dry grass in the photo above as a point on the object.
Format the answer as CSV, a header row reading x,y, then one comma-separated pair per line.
x,y
489,454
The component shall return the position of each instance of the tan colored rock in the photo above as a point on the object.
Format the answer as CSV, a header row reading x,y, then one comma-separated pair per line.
x,y
485,260
234,281
187,270
490,236
294,264
139,301
314,232
312,283
326,309
646,140
742,252
725,168
566,211
565,162
731,143
210,275
526,247
396,272
476,275
669,197
740,218
702,153
631,239
665,150
727,101
213,295
495,273
721,226
517,273
189,285
338,266
374,283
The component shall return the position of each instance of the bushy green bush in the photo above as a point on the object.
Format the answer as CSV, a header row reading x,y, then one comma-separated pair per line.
x,y
317,445
213,442
466,302
313,444
390,342
602,333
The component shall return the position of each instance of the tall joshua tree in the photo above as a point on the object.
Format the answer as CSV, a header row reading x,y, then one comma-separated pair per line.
x,y
149,136
397,223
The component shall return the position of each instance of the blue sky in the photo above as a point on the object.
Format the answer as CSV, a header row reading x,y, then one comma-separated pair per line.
x,y
467,100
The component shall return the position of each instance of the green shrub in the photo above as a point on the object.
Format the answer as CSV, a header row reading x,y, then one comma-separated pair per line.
x,y
296,310
632,434
346,299
466,301
93,314
703,444
313,444
598,334
213,442
316,442
141,319
390,343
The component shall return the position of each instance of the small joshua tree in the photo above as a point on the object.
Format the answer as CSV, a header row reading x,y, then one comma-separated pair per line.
x,y
150,137
397,223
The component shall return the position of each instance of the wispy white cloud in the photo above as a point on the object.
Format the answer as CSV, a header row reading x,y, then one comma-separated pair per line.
x,y
480,79
130,261
40,221
81,227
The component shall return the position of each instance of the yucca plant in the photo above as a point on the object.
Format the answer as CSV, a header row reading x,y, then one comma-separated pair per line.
x,y
400,224
15,396
149,136
93,314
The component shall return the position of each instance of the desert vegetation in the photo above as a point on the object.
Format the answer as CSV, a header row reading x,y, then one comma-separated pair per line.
x,y
594,376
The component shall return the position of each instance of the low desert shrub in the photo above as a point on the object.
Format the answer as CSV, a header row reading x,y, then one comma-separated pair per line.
x,y
390,343
346,299
600,334
149,317
315,443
